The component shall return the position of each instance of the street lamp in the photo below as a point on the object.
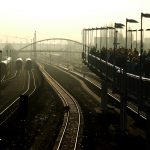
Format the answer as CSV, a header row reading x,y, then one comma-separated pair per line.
x,y
140,87
91,37
130,21
116,26
100,42
123,119
141,52
104,82
136,37
131,37
87,41
96,39
141,49
108,28
147,29
101,28
88,44
83,44
143,33
85,35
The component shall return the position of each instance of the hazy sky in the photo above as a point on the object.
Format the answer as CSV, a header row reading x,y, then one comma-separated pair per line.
x,y
65,18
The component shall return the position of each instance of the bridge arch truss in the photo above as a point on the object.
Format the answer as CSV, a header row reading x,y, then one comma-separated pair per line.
x,y
65,50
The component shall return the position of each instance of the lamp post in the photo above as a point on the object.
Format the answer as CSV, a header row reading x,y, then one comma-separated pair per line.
x,y
83,44
101,28
100,43
104,82
85,34
116,26
136,38
141,49
107,28
83,41
96,39
141,72
11,61
143,33
130,21
90,33
123,119
122,106
147,29
88,43
141,53
141,45
131,37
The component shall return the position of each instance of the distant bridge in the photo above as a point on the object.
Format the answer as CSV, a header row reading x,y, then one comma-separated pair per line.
x,y
38,51
33,46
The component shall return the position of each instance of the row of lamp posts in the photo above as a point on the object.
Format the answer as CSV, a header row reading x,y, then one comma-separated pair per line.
x,y
123,122
88,35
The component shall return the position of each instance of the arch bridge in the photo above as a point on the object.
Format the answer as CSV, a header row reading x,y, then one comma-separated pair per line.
x,y
52,47
53,44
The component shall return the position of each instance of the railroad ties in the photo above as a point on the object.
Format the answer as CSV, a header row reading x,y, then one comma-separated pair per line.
x,y
69,133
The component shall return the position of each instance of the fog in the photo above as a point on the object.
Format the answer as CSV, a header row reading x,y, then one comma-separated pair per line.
x,y
64,18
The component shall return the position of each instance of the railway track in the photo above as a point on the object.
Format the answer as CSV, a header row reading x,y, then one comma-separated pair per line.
x,y
132,107
8,109
69,134
5,80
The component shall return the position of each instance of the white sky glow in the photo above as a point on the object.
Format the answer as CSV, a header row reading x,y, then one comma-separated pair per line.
x,y
66,18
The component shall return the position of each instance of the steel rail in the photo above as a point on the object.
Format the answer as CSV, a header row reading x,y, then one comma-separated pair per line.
x,y
12,77
61,94
28,87
112,96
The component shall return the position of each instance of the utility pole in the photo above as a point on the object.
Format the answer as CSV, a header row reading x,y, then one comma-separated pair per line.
x,y
35,55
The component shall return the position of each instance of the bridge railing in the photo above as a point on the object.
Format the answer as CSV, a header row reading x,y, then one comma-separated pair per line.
x,y
115,74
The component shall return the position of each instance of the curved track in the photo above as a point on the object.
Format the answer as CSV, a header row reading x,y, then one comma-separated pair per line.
x,y
4,80
8,109
130,106
69,134
113,96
